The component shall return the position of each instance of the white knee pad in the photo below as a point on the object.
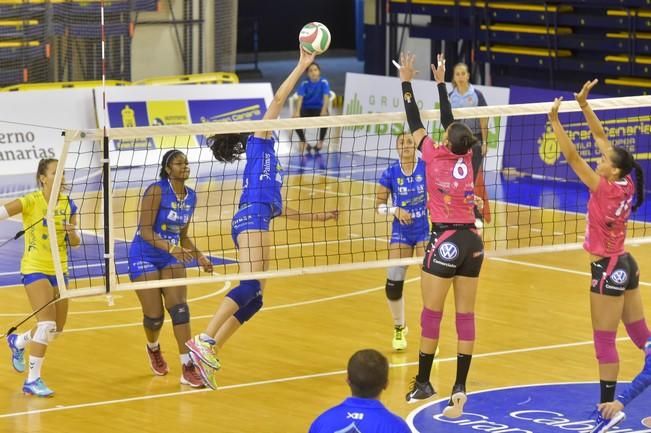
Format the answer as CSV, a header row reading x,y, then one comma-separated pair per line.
x,y
45,332
397,273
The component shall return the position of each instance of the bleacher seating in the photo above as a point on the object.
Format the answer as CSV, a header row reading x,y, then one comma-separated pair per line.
x,y
558,42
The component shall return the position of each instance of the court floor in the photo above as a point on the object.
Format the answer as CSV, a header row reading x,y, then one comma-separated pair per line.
x,y
287,365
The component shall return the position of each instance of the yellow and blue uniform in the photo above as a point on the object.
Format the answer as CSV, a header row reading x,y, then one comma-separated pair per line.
x,y
37,262
408,192
173,214
261,199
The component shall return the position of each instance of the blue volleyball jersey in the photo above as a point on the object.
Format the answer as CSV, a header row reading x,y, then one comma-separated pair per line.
x,y
408,192
263,175
173,214
359,415
313,92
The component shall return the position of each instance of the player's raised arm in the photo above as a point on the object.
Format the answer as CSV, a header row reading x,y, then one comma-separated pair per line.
x,y
596,128
445,107
407,73
568,148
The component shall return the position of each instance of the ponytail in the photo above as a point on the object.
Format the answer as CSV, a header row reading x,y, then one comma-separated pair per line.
x,y
461,138
639,185
227,147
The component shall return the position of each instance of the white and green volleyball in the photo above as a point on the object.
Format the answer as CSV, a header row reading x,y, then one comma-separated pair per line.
x,y
314,38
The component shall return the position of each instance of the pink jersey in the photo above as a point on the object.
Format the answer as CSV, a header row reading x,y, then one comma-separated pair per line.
x,y
608,210
450,184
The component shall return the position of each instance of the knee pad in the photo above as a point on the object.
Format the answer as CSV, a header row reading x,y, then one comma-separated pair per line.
x,y
430,323
639,332
397,273
605,348
245,313
466,326
153,323
45,332
393,289
180,314
245,292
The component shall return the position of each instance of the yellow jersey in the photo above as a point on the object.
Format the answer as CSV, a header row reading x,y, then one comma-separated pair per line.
x,y
37,257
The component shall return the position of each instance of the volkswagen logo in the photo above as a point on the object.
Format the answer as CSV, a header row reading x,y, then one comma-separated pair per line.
x,y
448,251
619,276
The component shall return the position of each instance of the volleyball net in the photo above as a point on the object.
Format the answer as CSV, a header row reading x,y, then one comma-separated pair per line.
x,y
533,202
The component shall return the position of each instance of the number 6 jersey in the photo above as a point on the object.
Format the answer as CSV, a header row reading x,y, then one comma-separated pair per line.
x,y
449,184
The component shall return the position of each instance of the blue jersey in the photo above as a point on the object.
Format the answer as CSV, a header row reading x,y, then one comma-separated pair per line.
x,y
263,175
408,191
359,415
313,92
173,214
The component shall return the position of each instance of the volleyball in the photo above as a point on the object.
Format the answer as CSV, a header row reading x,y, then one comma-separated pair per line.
x,y
314,38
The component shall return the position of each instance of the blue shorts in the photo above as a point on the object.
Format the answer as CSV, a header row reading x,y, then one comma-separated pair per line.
x,y
253,216
144,258
31,278
416,232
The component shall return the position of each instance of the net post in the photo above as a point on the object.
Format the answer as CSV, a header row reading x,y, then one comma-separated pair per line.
x,y
68,136
110,276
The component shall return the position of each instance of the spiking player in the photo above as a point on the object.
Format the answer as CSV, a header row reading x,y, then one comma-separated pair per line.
x,y
455,252
159,251
39,276
614,290
404,181
261,201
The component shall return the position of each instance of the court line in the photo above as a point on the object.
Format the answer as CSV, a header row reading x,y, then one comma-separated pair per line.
x,y
286,379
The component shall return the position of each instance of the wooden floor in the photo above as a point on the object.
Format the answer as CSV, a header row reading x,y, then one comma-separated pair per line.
x,y
287,365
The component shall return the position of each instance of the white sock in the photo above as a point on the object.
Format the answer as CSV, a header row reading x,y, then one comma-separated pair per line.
x,y
35,364
397,308
23,339
153,346
185,358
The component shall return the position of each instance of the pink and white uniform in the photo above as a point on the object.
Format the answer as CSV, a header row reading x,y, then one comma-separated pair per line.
x,y
450,184
609,208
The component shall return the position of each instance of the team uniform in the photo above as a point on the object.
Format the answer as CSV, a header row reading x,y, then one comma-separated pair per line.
x,y
173,214
313,93
408,192
359,415
455,248
608,212
37,262
261,199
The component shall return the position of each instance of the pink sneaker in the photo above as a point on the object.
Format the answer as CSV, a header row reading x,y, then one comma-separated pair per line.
x,y
157,362
191,376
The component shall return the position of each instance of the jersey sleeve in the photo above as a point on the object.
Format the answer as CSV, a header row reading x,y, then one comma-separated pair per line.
x,y
73,207
481,101
386,179
301,88
325,87
27,202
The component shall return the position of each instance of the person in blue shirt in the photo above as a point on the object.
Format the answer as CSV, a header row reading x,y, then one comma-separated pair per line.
x,y
404,181
368,376
313,100
261,201
611,413
160,249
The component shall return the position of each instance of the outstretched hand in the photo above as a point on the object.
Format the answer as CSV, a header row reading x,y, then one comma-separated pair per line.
x,y
553,113
582,96
407,70
306,59
610,409
439,69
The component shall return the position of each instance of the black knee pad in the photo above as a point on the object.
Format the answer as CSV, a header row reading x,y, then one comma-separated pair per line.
x,y
393,289
180,314
153,324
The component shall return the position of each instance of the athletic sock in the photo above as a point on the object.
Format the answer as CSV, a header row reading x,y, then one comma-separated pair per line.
x,y
607,390
425,361
463,366
35,364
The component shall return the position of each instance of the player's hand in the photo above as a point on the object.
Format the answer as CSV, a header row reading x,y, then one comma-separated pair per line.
x,y
439,69
205,263
582,96
479,202
181,254
403,216
70,228
553,113
325,216
407,71
610,409
306,59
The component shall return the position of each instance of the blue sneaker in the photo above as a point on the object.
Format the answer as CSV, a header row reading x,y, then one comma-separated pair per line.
x,y
37,388
17,355
604,425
